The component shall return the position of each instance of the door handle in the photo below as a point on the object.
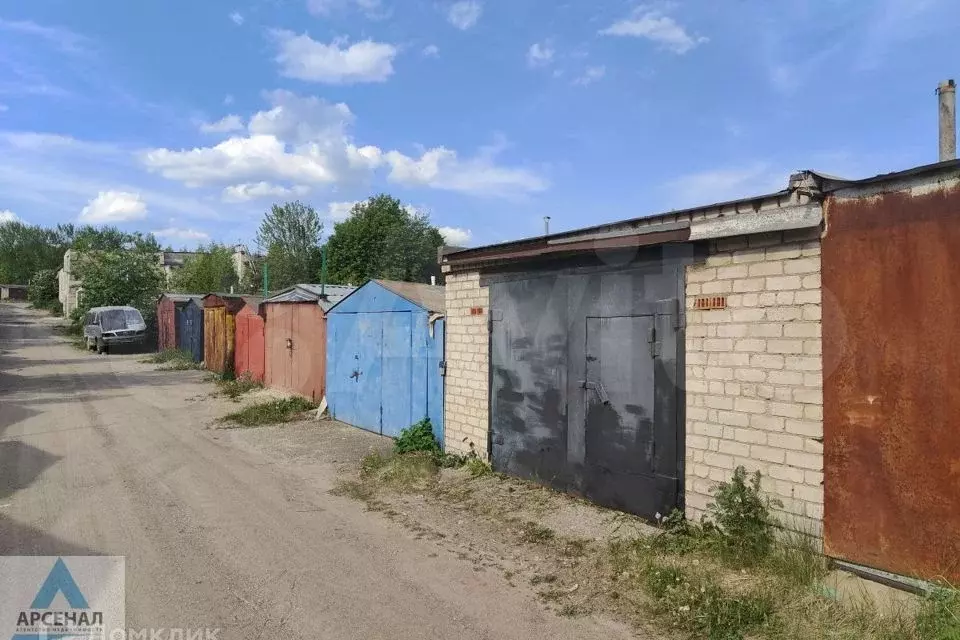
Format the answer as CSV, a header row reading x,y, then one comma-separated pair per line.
x,y
598,387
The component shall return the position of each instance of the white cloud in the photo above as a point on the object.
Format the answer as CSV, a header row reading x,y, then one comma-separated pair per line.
x,y
441,168
455,236
430,51
237,18
728,183
303,142
591,75
340,211
224,125
297,119
539,55
255,190
464,14
656,27
114,206
185,235
250,158
8,216
302,58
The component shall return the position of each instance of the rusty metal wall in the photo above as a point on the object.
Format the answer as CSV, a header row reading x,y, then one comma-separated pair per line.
x,y
166,324
215,339
891,342
249,350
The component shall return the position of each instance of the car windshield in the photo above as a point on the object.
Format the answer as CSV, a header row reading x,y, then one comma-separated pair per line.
x,y
117,319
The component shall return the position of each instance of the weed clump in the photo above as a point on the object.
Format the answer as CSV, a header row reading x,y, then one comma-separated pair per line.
x,y
740,513
417,438
274,412
172,360
233,388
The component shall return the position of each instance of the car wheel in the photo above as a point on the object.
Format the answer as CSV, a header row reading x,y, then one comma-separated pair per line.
x,y
91,345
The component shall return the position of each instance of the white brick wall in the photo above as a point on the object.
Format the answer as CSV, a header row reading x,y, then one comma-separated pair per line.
x,y
466,403
754,373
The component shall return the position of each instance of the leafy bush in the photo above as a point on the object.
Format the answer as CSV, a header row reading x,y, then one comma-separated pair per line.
x,y
44,289
741,514
417,437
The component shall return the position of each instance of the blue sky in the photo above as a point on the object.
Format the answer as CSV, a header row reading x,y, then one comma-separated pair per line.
x,y
189,118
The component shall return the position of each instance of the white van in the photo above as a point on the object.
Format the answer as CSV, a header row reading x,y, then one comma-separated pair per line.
x,y
104,327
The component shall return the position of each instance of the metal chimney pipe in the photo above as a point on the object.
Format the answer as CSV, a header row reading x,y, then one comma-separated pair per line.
x,y
947,91
546,225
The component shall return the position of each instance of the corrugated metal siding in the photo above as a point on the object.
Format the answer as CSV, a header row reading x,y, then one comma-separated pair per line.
x,y
891,317
250,348
295,353
383,362
166,324
190,334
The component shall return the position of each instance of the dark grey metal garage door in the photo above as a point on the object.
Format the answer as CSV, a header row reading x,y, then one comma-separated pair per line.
x,y
584,383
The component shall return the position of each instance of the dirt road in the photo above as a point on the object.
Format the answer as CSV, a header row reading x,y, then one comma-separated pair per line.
x,y
104,455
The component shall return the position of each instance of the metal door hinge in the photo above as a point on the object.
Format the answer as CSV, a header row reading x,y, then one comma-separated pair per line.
x,y
654,344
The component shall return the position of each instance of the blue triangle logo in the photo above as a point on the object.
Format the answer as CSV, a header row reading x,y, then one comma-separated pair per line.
x,y
59,581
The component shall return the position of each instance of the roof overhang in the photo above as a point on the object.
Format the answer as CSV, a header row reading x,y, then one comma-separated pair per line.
x,y
784,218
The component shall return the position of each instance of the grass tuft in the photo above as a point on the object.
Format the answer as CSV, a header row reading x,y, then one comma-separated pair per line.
x,y
233,388
172,360
274,412
536,533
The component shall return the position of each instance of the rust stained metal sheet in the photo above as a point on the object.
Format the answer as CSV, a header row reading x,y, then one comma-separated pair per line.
x,y
891,342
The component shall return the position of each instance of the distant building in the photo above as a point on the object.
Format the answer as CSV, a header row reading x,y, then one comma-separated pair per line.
x,y
13,292
71,288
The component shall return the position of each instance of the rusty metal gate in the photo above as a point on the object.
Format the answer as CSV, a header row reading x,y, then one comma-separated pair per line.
x,y
891,342
585,394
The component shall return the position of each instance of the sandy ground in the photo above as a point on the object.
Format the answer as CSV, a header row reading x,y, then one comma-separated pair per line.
x,y
232,529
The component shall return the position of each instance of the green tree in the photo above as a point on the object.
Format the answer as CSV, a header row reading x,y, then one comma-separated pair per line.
x,y
132,278
26,249
44,289
89,238
290,236
212,269
382,239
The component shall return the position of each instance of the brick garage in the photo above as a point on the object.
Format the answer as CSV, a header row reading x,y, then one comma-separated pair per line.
x,y
754,382
749,382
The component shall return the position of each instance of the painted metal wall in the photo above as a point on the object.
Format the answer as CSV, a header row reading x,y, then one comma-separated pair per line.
x,y
891,321
585,391
250,348
166,324
295,353
190,334
383,363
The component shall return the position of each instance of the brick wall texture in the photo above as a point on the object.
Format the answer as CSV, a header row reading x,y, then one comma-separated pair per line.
x,y
754,373
466,403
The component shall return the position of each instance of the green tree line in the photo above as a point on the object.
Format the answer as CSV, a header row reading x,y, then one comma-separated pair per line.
x,y
380,238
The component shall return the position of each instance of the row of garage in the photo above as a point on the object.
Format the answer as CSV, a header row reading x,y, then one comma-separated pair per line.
x,y
374,352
